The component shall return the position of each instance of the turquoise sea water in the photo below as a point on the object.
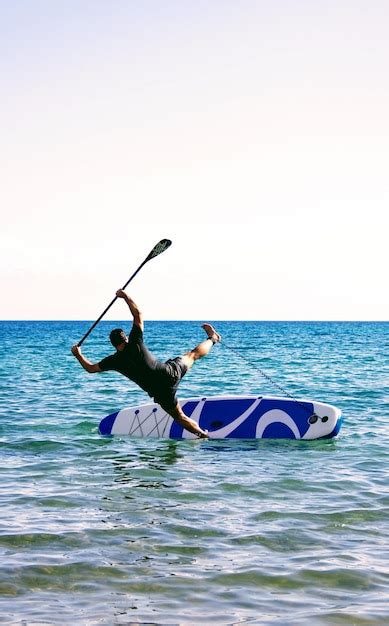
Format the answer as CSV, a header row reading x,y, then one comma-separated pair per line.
x,y
117,531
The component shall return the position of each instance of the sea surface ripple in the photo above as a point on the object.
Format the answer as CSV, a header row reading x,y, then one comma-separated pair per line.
x,y
100,530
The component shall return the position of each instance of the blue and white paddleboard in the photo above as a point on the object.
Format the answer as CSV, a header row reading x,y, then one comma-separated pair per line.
x,y
231,417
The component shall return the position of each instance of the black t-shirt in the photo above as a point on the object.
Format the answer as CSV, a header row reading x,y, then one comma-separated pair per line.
x,y
137,363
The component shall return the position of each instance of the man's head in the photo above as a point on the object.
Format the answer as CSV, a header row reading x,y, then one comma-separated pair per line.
x,y
117,337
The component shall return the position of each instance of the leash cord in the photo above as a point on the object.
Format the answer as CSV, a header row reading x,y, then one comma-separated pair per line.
x,y
269,378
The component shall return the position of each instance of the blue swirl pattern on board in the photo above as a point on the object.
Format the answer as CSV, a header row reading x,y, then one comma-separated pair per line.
x,y
248,428
101,530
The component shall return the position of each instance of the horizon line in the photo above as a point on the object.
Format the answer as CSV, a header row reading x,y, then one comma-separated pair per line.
x,y
265,321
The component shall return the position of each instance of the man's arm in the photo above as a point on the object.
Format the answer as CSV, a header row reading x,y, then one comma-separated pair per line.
x,y
92,368
135,312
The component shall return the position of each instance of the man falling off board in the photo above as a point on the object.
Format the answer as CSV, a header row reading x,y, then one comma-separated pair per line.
x,y
160,380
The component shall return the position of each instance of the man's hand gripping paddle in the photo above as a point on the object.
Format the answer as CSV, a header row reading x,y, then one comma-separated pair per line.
x,y
158,249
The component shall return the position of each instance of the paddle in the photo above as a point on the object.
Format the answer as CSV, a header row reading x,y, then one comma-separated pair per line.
x,y
160,247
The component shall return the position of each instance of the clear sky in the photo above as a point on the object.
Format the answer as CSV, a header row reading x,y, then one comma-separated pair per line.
x,y
254,134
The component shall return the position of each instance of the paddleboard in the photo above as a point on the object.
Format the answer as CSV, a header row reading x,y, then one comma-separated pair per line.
x,y
230,417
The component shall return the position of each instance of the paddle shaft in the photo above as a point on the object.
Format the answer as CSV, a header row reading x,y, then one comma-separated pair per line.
x,y
160,247
109,306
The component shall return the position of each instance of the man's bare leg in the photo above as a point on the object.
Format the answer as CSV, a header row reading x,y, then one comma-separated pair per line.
x,y
204,347
189,358
178,414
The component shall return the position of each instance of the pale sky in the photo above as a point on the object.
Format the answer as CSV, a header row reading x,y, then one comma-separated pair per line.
x,y
254,134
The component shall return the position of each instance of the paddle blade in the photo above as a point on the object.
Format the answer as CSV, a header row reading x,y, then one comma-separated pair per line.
x,y
159,248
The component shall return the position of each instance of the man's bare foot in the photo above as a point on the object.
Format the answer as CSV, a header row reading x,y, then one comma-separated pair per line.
x,y
211,333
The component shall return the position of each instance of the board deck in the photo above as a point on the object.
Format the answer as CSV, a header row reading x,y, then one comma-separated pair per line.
x,y
230,417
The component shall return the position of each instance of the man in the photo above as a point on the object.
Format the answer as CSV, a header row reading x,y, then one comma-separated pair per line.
x,y
159,380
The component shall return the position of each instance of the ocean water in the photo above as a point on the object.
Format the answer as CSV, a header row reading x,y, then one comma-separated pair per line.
x,y
100,530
